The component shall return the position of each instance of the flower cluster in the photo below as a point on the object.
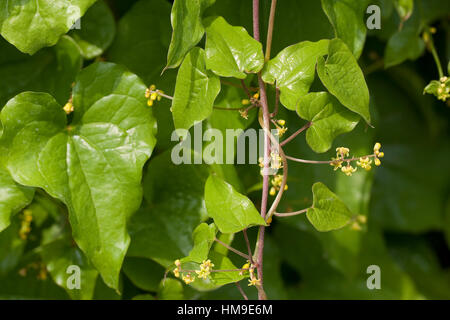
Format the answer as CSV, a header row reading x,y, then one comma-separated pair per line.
x,y
281,129
439,88
364,162
253,281
25,227
276,162
153,94
205,269
276,184
204,272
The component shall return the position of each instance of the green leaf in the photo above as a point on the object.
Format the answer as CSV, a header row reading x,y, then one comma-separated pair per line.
x,y
195,91
170,289
328,119
51,70
342,76
204,236
59,256
403,45
94,164
134,47
187,28
32,25
97,32
404,8
222,262
174,195
11,247
144,273
406,43
13,198
347,18
328,211
232,212
231,51
293,70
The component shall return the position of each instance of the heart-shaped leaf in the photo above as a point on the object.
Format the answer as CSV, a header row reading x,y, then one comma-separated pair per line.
x,y
328,211
93,164
328,119
347,18
32,25
231,51
341,75
204,236
232,212
188,30
293,70
195,91
97,31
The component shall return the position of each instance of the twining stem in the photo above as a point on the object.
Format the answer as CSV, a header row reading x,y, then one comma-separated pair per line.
x,y
265,190
273,8
233,249
290,214
290,138
241,291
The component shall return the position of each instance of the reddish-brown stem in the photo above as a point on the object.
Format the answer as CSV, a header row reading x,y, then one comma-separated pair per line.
x,y
327,161
233,249
290,214
295,134
241,291
277,103
249,249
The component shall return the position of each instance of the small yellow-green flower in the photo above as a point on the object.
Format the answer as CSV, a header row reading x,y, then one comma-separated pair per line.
x,y
188,278
342,152
348,170
365,163
336,163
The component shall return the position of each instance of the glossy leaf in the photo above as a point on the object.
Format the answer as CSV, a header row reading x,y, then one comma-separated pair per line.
x,y
328,211
53,70
58,257
111,135
97,30
231,51
170,289
232,212
175,207
32,25
328,119
12,247
187,28
136,51
293,70
223,263
13,198
203,236
144,273
342,76
195,91
348,20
